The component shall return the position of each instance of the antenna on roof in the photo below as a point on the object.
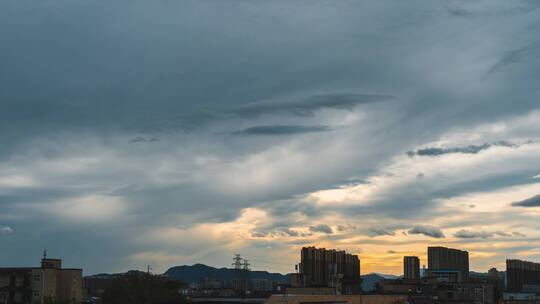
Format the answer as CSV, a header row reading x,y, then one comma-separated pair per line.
x,y
44,253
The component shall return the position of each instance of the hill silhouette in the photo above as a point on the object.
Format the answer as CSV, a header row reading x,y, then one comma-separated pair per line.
x,y
197,272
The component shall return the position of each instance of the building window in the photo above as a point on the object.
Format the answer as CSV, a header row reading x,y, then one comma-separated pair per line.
x,y
37,277
19,281
4,281
36,293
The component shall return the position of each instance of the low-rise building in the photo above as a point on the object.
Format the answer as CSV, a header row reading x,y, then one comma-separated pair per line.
x,y
36,285
311,291
341,299
441,292
520,296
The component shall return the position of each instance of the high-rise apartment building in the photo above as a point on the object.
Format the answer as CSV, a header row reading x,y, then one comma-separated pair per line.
x,y
411,268
519,273
448,262
329,268
36,285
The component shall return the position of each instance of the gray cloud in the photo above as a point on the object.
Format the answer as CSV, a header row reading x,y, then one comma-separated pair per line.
x,y
307,106
472,149
321,228
258,234
291,232
471,10
6,230
281,130
505,234
431,231
530,202
458,11
380,231
514,57
468,234
139,139
347,227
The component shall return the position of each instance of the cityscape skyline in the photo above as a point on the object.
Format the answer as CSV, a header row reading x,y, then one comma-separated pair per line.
x,y
325,273
263,266
166,133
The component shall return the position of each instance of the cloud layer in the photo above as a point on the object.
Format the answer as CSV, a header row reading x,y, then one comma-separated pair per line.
x,y
174,132
529,202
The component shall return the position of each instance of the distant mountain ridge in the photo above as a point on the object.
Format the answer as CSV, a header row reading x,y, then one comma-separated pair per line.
x,y
197,272
113,275
370,280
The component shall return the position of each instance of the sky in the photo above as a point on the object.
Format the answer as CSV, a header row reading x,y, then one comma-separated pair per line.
x,y
171,132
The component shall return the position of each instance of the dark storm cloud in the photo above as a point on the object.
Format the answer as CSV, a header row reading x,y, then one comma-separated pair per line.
x,y
471,149
530,202
430,231
281,130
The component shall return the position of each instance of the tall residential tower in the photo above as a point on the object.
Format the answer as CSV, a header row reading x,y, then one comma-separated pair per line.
x,y
411,268
453,264
330,268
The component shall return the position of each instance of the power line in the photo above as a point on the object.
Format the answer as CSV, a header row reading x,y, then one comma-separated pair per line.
x,y
270,262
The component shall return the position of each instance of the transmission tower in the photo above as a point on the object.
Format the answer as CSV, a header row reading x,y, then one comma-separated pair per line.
x,y
245,265
237,262
245,276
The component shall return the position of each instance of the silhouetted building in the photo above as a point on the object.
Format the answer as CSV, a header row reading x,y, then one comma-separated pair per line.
x,y
330,268
295,280
520,273
411,268
494,277
443,275
449,264
464,293
33,285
